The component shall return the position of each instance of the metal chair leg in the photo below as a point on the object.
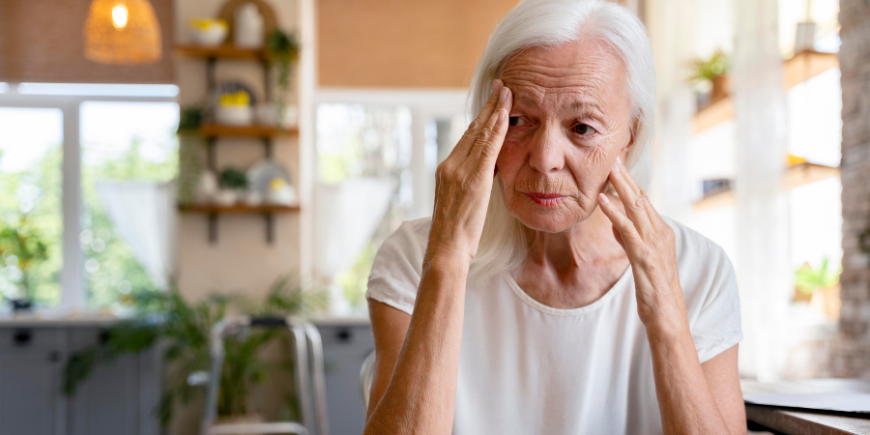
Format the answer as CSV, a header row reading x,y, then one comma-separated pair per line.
x,y
318,377
312,404
300,366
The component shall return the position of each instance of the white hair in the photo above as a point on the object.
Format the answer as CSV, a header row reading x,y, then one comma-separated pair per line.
x,y
548,23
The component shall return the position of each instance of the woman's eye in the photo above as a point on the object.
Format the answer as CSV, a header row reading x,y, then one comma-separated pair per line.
x,y
583,129
516,121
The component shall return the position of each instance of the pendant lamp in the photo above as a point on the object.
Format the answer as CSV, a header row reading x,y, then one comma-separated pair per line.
x,y
122,32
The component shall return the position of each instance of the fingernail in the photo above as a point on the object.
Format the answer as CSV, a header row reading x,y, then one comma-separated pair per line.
x,y
502,96
602,198
502,114
617,163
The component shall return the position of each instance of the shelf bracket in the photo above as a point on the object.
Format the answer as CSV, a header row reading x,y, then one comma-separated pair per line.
x,y
267,82
212,228
210,73
211,154
267,143
270,228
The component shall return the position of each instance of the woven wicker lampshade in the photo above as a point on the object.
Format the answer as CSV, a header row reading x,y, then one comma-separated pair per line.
x,y
122,32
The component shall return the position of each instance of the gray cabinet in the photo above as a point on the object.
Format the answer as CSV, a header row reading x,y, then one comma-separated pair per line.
x,y
30,362
345,346
121,396
28,394
118,398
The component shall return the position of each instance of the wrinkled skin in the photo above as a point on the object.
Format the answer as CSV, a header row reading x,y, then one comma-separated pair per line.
x,y
570,119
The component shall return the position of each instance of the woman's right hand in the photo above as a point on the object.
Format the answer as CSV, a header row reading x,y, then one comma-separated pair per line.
x,y
464,181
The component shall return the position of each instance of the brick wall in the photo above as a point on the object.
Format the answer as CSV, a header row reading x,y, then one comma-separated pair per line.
x,y
851,356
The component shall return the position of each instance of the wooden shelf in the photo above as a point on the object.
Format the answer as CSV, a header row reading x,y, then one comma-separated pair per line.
x,y
220,52
214,210
238,208
212,130
800,68
795,176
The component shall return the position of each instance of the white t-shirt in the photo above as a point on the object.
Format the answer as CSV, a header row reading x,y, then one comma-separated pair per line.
x,y
526,368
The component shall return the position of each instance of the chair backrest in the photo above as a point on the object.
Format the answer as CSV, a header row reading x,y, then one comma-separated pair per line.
x,y
366,373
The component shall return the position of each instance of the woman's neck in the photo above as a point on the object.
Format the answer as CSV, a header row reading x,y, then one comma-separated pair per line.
x,y
575,267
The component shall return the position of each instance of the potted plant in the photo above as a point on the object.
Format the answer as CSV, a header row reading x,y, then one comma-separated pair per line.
x,y
711,75
21,250
185,329
282,50
820,286
233,184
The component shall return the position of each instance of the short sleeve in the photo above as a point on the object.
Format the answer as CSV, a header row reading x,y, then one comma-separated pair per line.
x,y
717,327
710,290
398,265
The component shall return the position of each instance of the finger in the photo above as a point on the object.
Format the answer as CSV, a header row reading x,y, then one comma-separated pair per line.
x,y
617,237
491,138
629,237
634,200
468,138
634,186
489,107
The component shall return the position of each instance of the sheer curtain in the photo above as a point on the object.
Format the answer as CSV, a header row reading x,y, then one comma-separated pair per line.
x,y
144,215
762,260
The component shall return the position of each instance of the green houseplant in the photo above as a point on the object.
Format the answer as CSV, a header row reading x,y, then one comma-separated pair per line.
x,y
233,178
808,279
185,329
819,284
21,248
711,74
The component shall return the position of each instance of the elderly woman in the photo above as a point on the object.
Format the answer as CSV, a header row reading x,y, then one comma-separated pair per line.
x,y
546,295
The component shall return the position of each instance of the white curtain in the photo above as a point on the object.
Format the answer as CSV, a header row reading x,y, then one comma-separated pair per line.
x,y
346,217
762,260
143,214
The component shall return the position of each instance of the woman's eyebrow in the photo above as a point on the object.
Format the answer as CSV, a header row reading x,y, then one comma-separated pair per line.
x,y
587,106
522,99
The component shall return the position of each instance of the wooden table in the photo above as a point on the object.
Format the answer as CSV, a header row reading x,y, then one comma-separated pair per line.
x,y
779,421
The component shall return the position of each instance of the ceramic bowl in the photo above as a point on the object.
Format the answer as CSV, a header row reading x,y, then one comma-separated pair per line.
x,y
234,115
212,35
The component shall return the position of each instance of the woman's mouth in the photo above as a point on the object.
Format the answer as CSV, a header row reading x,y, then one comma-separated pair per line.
x,y
546,199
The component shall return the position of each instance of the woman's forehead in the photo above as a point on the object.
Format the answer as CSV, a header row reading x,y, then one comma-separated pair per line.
x,y
575,73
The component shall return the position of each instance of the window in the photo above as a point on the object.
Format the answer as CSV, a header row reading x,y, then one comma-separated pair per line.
x,y
117,149
31,223
366,147
67,152
386,146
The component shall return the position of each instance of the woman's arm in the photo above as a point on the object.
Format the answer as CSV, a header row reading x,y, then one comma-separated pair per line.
x,y
724,383
420,394
686,400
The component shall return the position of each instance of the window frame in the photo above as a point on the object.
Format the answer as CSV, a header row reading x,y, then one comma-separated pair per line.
x,y
72,286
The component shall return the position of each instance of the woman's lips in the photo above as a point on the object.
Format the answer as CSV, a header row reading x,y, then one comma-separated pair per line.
x,y
546,199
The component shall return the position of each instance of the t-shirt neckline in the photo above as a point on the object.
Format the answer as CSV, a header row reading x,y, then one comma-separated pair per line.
x,y
610,294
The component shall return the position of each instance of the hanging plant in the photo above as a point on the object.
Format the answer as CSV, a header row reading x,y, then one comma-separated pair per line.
x,y
282,50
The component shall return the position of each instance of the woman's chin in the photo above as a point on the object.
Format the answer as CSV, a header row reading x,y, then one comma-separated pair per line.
x,y
548,221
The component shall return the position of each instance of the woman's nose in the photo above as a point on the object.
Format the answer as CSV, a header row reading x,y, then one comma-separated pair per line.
x,y
546,152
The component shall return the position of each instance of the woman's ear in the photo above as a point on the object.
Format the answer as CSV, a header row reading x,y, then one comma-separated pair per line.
x,y
635,124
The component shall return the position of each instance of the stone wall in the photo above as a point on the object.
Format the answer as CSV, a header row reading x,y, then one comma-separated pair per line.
x,y
851,356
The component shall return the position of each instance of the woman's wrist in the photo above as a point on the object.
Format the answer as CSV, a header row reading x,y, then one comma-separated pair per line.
x,y
446,258
667,326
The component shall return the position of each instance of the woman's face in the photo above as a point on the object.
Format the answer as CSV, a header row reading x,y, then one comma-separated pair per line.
x,y
571,118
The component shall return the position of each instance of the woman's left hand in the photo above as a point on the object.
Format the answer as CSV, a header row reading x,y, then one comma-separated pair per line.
x,y
650,245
